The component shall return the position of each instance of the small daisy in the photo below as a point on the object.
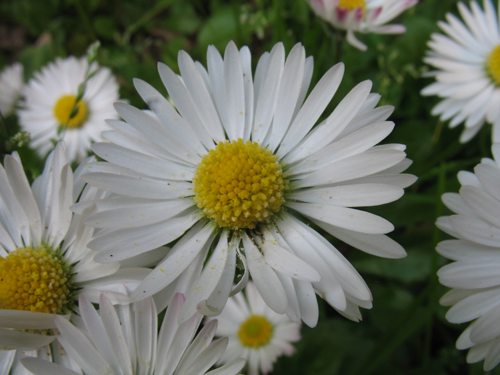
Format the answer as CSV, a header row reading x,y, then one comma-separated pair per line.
x,y
468,75
49,99
255,332
364,16
474,274
44,261
230,169
125,340
11,84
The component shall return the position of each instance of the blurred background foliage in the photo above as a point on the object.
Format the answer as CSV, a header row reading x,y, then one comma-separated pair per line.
x,y
406,331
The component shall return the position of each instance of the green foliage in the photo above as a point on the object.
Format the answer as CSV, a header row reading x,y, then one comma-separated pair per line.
x,y
405,332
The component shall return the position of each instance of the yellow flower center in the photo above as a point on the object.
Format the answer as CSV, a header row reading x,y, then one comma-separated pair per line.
x,y
34,280
352,4
493,64
239,184
256,331
64,108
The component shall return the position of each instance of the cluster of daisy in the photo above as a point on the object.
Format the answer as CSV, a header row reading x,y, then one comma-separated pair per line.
x,y
230,171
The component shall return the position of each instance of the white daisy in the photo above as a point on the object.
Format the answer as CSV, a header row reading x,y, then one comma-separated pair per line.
x,y
364,16
125,340
255,332
475,274
50,98
11,84
230,167
44,261
468,75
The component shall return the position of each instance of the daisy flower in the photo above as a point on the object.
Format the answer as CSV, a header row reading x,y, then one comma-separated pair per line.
x,y
49,99
255,332
364,16
44,261
11,84
125,340
474,275
229,170
467,60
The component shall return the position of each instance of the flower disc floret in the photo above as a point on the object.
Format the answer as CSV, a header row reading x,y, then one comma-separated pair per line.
x,y
34,280
352,4
493,64
63,108
239,184
256,331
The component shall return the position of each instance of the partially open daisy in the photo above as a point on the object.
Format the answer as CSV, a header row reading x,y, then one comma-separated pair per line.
x,y
44,261
11,84
364,16
255,332
468,75
230,168
49,100
125,340
475,275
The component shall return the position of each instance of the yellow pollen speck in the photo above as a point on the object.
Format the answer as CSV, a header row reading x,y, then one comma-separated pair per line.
x,y
351,4
239,184
34,280
256,331
493,65
63,108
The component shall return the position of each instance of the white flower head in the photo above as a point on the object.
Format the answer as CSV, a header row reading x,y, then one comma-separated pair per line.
x,y
364,16
474,275
255,332
230,168
124,339
11,84
49,99
467,60
44,261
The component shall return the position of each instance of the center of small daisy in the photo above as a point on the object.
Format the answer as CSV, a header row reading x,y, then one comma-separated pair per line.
x,y
256,331
352,4
239,184
36,280
63,110
493,64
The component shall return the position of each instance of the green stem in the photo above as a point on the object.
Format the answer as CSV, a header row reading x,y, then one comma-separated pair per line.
x,y
85,19
146,17
436,237
3,127
340,36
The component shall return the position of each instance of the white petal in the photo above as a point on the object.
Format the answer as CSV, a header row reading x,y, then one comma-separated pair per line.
x,y
115,245
173,122
41,367
178,259
264,277
474,306
375,244
343,217
362,195
312,109
470,274
353,167
267,93
476,230
286,262
10,339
